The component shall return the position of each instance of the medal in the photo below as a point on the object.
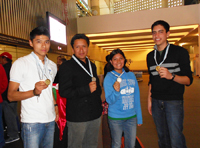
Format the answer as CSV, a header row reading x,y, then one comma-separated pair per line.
x,y
94,79
47,81
158,65
157,68
119,79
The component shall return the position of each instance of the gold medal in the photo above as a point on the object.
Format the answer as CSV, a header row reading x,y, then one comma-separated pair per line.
x,y
157,68
47,81
94,79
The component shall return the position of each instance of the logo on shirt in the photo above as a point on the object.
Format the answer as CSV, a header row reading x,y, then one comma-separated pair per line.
x,y
50,72
127,90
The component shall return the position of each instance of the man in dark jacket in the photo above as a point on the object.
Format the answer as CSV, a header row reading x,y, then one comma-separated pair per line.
x,y
78,82
9,108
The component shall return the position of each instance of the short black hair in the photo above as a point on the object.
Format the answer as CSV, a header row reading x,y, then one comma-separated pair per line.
x,y
41,30
162,23
112,54
80,36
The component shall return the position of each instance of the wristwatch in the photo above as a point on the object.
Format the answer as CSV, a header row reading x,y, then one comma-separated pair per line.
x,y
35,93
173,76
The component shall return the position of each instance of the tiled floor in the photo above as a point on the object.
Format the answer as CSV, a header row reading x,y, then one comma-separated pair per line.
x,y
147,132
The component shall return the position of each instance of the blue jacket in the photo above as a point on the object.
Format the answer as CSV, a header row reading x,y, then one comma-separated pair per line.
x,y
126,102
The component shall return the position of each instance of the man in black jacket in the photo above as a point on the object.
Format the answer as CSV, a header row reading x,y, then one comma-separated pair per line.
x,y
78,82
9,108
169,70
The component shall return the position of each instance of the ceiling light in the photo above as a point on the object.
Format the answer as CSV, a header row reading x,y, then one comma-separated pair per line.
x,y
181,44
133,38
135,42
118,33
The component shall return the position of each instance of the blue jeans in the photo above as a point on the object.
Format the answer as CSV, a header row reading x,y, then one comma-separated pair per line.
x,y
168,117
2,142
38,135
117,127
83,134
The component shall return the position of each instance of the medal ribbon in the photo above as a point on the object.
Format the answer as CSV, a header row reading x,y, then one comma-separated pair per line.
x,y
164,56
77,61
117,75
44,71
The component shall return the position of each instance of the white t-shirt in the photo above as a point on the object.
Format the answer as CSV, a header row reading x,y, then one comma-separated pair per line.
x,y
25,72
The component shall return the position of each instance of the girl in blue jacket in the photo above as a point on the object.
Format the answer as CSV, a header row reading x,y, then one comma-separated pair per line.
x,y
123,96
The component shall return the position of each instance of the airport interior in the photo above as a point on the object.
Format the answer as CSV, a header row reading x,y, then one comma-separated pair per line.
x,y
110,24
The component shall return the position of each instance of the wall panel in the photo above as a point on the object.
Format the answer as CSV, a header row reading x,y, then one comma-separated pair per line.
x,y
19,17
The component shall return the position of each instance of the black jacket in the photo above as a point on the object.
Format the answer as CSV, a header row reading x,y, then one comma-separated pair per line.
x,y
82,105
177,62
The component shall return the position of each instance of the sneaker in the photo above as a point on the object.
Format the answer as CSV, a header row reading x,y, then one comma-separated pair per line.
x,y
5,128
10,140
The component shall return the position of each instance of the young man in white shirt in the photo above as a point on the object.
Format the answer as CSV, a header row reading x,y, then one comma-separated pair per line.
x,y
33,75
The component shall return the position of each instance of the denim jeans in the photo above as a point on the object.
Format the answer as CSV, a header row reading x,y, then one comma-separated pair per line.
x,y
2,142
168,117
38,135
83,134
117,127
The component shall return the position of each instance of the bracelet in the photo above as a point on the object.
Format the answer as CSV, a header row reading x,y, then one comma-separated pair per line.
x,y
35,93
55,105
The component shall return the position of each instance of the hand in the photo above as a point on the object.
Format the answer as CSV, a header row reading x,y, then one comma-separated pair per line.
x,y
139,124
149,106
57,113
93,86
164,73
39,86
116,86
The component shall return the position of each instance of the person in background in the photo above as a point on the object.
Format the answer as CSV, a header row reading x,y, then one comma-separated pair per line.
x,y
3,87
123,97
105,68
33,75
9,108
61,60
79,83
169,72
